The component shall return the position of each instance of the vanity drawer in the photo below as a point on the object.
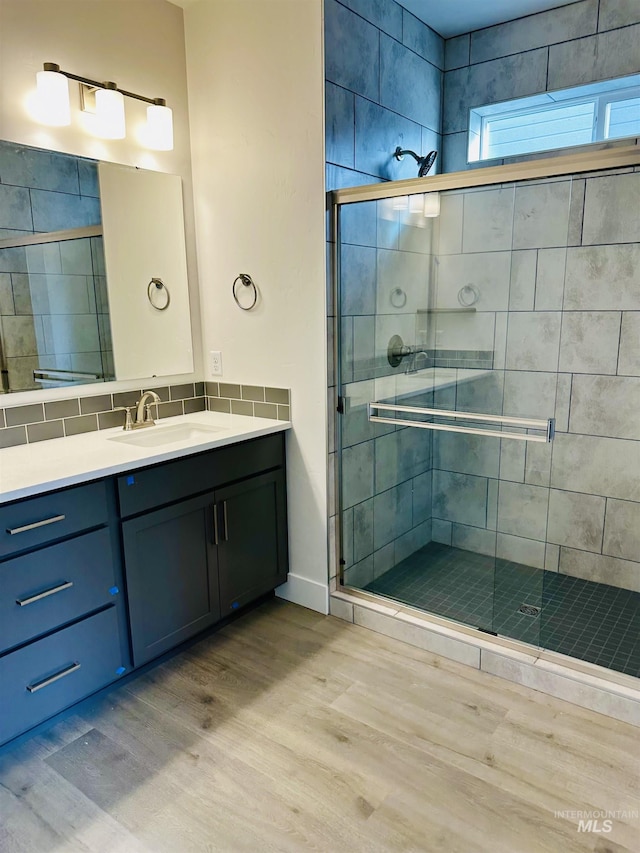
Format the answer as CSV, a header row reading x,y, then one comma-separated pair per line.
x,y
51,674
36,521
172,481
55,585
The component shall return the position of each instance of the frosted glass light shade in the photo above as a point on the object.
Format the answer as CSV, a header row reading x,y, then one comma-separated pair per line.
x,y
110,114
53,98
401,202
431,204
159,128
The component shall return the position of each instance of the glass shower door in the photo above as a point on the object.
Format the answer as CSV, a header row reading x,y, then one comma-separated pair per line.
x,y
448,378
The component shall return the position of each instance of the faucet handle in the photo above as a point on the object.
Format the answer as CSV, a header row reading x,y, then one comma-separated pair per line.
x,y
128,423
148,418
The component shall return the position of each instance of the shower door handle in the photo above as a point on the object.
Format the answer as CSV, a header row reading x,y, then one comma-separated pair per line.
x,y
547,425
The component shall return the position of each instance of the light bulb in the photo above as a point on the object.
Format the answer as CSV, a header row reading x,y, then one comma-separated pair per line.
x,y
53,98
159,133
110,113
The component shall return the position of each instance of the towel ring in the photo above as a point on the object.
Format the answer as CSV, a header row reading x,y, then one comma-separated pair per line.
x,y
155,285
247,281
398,298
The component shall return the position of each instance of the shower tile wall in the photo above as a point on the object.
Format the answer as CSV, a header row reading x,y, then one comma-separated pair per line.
x,y
384,72
53,303
583,42
565,324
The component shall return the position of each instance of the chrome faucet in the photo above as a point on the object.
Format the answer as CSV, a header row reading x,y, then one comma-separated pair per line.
x,y
143,416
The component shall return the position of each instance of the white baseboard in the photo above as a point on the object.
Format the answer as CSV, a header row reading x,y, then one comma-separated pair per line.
x,y
306,593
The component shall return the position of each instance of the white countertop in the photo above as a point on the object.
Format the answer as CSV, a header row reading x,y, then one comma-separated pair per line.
x,y
47,465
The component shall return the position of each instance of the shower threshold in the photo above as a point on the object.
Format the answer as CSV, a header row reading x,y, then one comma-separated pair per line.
x,y
592,622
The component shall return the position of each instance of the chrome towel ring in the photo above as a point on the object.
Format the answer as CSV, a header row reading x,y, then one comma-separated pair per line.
x,y
247,281
154,289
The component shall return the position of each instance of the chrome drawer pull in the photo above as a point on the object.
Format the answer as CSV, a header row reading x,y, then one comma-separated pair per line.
x,y
13,530
24,601
215,524
32,688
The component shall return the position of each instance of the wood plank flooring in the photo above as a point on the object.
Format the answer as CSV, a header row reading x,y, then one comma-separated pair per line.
x,y
292,731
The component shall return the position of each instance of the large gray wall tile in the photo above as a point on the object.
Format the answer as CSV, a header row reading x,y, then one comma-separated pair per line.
x,y
576,520
422,497
618,13
15,208
339,126
481,395
38,169
600,57
410,269
19,335
603,278
352,55
460,497
629,363
379,132
522,510
457,52
455,152
488,220
409,85
611,208
411,541
556,25
533,341
424,41
401,456
600,568
622,530
529,552
605,405
357,473
392,514
523,280
550,274
358,268
382,14
597,466
589,341
541,215
474,539
529,394
538,464
362,530
498,80
57,211
466,454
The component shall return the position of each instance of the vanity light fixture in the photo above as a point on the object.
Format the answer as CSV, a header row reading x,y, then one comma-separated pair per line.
x,y
108,104
431,204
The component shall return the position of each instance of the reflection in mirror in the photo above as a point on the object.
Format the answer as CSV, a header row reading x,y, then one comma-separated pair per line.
x,y
55,299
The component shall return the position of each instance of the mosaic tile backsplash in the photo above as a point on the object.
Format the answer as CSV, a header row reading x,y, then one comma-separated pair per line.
x,y
61,418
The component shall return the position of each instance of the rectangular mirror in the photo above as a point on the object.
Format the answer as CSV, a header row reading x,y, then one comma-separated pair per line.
x,y
93,277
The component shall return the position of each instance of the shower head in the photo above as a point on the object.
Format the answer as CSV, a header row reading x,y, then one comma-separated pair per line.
x,y
424,163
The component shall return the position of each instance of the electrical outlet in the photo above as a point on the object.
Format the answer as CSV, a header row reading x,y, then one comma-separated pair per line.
x,y
216,362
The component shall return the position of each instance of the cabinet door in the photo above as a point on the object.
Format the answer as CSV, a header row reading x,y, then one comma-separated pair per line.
x,y
252,553
172,578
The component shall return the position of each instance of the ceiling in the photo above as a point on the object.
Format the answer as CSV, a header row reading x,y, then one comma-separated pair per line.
x,y
453,17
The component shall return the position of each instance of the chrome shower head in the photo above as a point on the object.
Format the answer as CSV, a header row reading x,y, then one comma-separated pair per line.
x,y
424,163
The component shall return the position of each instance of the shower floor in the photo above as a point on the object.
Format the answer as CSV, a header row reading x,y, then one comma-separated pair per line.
x,y
590,621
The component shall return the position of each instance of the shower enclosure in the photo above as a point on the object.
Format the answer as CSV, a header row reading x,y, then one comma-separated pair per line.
x,y
488,435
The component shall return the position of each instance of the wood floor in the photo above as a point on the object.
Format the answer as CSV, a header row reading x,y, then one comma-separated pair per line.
x,y
291,731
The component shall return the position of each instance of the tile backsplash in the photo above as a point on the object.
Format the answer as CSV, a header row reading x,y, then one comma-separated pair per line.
x,y
60,418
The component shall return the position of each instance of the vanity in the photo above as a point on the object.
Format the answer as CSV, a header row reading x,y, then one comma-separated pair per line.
x,y
115,548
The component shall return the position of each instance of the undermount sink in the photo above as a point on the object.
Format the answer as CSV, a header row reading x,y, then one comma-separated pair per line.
x,y
158,435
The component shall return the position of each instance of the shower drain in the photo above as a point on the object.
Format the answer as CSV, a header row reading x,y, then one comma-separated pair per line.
x,y
529,609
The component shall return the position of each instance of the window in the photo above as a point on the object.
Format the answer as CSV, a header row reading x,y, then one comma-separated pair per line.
x,y
563,119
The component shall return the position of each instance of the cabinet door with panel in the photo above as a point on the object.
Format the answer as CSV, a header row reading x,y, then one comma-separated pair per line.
x,y
252,549
172,575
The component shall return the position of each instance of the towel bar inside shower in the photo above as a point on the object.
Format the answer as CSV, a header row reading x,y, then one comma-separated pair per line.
x,y
546,425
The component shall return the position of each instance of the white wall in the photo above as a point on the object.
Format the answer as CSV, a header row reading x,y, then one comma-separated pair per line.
x,y
137,43
255,74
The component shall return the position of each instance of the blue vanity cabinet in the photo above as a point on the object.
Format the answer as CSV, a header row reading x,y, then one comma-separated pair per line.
x,y
172,575
62,616
191,559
